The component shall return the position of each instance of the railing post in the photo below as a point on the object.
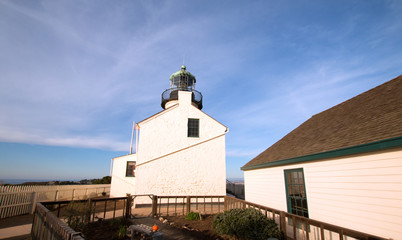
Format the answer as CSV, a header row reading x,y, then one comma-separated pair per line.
x,y
188,202
56,195
322,233
154,205
88,216
34,196
225,203
283,223
129,203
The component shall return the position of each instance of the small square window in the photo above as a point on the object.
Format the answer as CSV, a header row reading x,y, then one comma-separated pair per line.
x,y
130,170
193,127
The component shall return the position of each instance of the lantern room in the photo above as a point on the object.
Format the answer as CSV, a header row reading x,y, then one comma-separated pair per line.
x,y
181,80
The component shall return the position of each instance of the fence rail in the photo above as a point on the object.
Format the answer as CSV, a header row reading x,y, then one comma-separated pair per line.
x,y
21,199
181,205
46,225
235,188
99,207
293,226
297,227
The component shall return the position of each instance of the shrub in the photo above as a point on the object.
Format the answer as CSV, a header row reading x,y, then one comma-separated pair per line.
x,y
77,215
245,224
121,232
193,216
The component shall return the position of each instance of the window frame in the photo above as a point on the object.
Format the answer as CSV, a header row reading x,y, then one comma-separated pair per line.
x,y
300,190
133,170
191,129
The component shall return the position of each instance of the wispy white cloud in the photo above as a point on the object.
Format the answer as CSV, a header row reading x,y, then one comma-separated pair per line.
x,y
44,137
78,73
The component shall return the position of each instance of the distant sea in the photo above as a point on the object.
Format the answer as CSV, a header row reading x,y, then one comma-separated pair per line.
x,y
19,181
236,179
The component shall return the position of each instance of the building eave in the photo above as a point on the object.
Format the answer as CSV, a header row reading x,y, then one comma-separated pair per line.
x,y
158,114
123,156
227,129
358,149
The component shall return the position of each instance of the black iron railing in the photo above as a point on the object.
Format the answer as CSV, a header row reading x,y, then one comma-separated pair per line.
x,y
173,94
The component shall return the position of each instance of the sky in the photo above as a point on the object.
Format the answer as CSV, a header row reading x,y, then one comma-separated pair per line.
x,y
74,75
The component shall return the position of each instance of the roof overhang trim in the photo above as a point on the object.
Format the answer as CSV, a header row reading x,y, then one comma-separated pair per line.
x,y
368,147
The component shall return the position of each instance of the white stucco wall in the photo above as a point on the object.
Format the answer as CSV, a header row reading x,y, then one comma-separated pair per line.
x,y
170,163
168,130
198,170
362,192
121,185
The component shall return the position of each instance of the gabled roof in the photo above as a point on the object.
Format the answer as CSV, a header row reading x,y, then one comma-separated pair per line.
x,y
372,116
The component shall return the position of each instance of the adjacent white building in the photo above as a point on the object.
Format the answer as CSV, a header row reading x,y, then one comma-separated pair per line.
x,y
181,150
342,166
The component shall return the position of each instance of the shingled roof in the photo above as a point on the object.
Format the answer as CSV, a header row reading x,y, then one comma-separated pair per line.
x,y
372,116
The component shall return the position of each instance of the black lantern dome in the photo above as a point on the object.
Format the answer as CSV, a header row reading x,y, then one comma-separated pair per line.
x,y
181,80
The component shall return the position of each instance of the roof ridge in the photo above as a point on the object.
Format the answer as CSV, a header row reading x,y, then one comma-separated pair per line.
x,y
373,115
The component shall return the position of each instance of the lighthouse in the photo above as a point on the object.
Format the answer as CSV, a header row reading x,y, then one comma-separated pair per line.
x,y
181,150
181,80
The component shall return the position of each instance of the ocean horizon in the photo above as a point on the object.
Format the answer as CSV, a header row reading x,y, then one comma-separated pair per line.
x,y
20,181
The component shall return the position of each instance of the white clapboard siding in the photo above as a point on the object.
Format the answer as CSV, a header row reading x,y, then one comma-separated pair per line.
x,y
19,199
361,192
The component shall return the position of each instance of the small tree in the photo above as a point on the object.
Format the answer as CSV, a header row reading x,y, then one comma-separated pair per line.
x,y
193,216
245,224
104,180
77,215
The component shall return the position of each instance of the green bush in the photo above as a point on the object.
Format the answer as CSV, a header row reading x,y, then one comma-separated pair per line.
x,y
245,224
77,215
193,216
121,232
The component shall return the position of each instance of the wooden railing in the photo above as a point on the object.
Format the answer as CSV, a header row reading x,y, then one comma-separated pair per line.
x,y
292,226
181,205
297,227
46,225
99,207
21,199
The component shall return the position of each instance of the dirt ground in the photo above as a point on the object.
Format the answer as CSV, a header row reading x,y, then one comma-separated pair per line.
x,y
176,228
107,230
202,229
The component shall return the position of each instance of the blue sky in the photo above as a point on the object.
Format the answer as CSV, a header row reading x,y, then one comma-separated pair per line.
x,y
74,75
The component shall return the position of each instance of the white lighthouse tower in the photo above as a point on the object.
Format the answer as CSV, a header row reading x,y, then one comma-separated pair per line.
x,y
181,150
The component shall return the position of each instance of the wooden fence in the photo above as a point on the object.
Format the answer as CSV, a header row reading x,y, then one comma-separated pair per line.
x,y
235,188
181,205
297,227
99,207
46,225
293,226
21,199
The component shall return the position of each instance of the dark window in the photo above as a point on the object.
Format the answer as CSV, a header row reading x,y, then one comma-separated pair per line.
x,y
193,127
296,192
130,170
